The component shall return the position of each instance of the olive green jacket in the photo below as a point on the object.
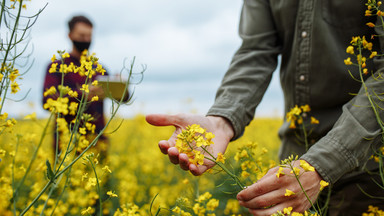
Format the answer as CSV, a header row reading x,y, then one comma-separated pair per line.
x,y
311,36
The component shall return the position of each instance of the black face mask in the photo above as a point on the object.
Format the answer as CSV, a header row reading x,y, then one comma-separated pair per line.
x,y
81,46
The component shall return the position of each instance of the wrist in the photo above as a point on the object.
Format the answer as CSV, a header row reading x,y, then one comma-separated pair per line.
x,y
223,124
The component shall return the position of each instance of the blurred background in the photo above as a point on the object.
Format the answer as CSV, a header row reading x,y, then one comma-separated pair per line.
x,y
185,45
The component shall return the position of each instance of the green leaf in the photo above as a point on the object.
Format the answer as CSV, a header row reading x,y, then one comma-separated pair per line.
x,y
50,174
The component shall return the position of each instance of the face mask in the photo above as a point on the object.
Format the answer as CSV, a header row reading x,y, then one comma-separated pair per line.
x,y
81,46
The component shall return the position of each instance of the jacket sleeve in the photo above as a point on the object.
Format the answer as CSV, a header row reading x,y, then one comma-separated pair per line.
x,y
251,68
357,133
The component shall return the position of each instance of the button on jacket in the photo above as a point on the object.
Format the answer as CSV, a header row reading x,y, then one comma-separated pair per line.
x,y
311,36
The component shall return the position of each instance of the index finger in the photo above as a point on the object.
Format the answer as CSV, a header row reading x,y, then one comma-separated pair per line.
x,y
265,185
161,119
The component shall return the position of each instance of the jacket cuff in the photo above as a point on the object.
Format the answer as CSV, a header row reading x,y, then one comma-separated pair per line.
x,y
346,147
233,113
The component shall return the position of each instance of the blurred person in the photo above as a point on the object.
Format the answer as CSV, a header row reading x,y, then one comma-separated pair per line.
x,y
311,37
80,33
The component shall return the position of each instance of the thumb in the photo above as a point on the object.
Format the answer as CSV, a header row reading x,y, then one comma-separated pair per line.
x,y
161,119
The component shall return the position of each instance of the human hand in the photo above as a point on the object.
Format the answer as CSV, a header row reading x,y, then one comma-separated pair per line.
x,y
267,196
217,125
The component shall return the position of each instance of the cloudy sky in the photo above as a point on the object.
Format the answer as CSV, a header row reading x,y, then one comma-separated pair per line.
x,y
186,46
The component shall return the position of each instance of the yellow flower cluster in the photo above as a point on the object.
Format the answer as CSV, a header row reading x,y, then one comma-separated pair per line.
x,y
139,173
298,114
288,212
373,211
205,205
361,44
9,74
89,65
190,139
373,9
251,161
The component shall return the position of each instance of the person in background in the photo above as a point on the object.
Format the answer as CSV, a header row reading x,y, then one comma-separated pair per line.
x,y
80,33
311,37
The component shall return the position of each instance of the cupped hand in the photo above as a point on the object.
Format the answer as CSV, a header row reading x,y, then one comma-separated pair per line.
x,y
219,126
267,196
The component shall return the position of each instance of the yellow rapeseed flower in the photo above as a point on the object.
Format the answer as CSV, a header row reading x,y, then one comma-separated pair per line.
x,y
212,204
220,158
82,130
289,193
65,55
106,168
314,120
373,54
73,94
53,68
53,59
287,210
85,88
370,24
203,197
323,184
350,50
14,87
296,171
347,61
306,108
86,211
50,91
306,166
111,194
280,172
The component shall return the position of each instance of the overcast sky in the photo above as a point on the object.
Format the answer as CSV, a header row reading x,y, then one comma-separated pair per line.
x,y
186,46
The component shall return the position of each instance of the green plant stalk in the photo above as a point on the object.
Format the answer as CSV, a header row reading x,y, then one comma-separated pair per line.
x,y
305,136
36,198
378,119
213,159
76,126
97,186
57,141
70,164
49,196
62,192
9,49
2,11
57,129
301,186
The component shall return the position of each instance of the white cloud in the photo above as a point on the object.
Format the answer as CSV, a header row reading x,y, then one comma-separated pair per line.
x,y
186,45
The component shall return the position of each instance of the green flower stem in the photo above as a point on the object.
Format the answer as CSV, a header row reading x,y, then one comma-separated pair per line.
x,y
49,196
213,159
36,198
9,48
301,186
76,127
57,128
2,11
305,136
58,173
97,186
379,121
